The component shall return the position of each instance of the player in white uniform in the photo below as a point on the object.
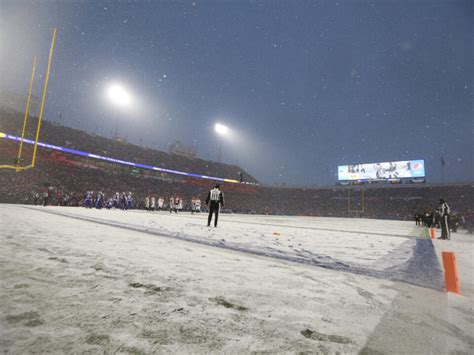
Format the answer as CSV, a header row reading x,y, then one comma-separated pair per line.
x,y
172,206
197,202
153,203
178,204
193,204
147,203
161,203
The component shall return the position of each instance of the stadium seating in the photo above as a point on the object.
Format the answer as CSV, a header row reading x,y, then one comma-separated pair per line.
x,y
11,122
68,177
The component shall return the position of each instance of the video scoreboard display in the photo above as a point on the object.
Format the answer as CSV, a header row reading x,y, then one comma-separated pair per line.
x,y
392,170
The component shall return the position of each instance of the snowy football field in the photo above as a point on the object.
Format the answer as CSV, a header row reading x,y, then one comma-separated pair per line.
x,y
77,280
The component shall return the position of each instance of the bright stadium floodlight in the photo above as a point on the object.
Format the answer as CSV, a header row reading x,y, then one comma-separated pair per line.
x,y
221,129
119,96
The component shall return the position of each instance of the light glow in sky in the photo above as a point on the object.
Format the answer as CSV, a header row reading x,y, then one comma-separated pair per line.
x,y
119,95
221,129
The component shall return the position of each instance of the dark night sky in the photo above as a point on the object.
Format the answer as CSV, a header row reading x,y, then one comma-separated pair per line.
x,y
305,86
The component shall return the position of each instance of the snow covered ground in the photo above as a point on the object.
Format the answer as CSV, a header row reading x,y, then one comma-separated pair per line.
x,y
76,280
328,240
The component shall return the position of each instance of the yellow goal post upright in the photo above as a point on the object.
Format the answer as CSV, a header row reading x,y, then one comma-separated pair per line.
x,y
17,166
361,208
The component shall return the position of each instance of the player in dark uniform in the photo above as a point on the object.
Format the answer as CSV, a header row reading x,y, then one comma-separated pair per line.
x,y
100,200
45,198
123,201
129,201
116,200
214,200
88,199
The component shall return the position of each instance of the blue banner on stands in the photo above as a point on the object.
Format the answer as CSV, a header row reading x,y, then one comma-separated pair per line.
x,y
113,160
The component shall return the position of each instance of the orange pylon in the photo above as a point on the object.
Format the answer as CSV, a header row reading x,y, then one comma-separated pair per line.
x,y
450,272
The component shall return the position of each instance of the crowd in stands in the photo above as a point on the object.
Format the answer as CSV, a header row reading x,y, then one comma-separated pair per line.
x,y
63,179
11,123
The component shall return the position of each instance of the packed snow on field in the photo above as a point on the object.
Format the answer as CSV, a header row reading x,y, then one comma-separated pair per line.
x,y
370,244
72,286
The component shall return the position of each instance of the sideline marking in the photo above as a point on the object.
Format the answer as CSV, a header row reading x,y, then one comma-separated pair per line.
x,y
222,218
419,270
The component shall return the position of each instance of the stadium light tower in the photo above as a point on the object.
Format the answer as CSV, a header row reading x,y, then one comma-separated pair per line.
x,y
120,98
221,131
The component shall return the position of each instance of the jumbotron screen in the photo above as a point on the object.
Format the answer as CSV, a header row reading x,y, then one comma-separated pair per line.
x,y
391,170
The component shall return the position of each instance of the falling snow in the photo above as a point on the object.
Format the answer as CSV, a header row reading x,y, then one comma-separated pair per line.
x,y
306,72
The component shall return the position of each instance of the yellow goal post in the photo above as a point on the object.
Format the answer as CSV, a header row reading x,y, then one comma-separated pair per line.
x,y
17,166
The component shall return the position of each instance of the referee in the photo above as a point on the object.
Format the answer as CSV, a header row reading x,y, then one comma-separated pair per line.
x,y
214,200
444,211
